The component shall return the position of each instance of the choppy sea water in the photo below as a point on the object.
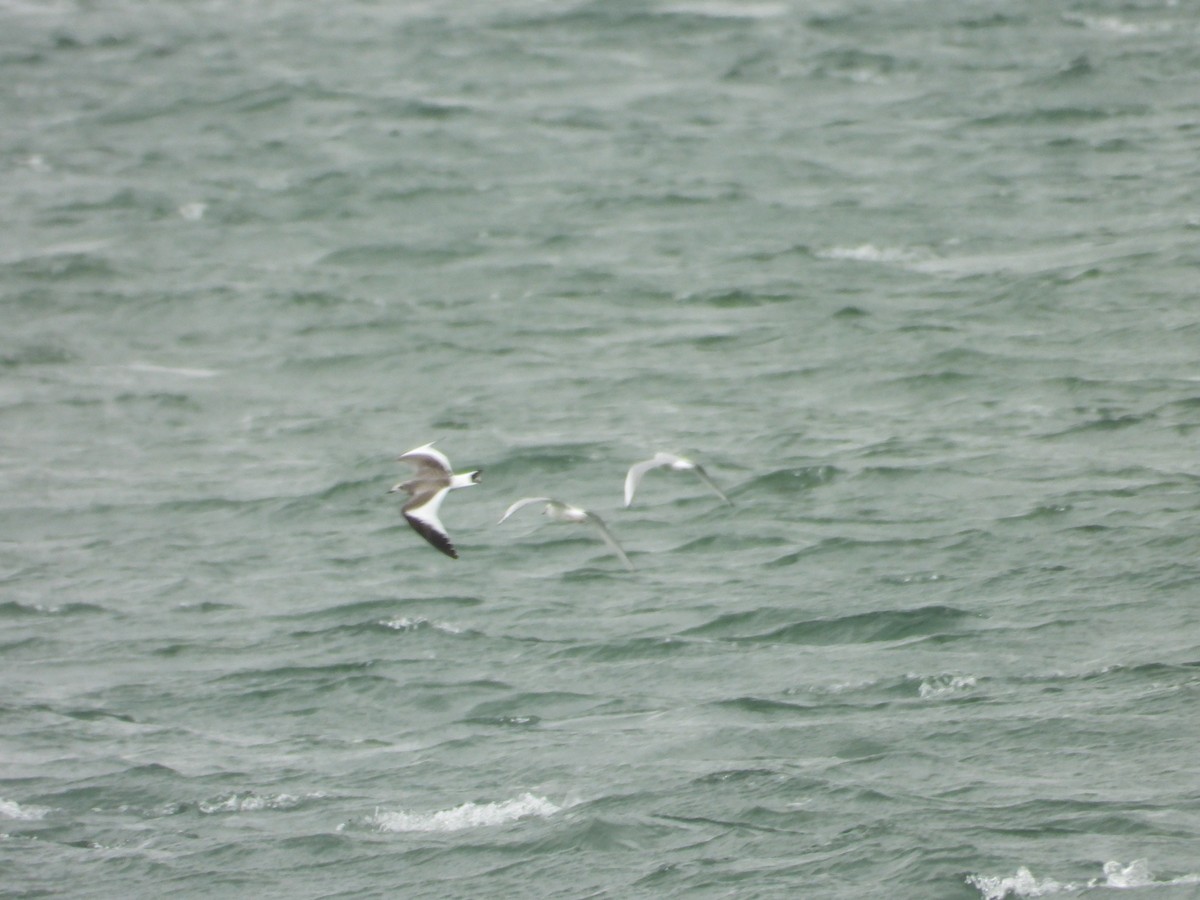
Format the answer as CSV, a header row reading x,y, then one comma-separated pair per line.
x,y
916,282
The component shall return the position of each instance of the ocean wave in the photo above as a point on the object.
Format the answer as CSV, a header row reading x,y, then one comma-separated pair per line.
x,y
729,542
206,606
1060,115
842,545
632,648
418,623
738,298
275,685
468,815
803,478
729,625
12,608
674,19
869,253
1116,875
36,354
941,687
60,266
11,809
91,715
886,625
252,802
723,10
395,254
866,693
870,627
546,459
529,707
505,721
765,705
374,612
1106,421
179,371
1116,26
408,624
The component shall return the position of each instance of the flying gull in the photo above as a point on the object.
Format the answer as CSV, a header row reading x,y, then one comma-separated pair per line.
x,y
433,480
562,512
677,464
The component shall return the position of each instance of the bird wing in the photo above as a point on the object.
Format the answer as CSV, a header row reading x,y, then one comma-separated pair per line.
x,y
602,529
429,462
422,514
703,476
634,476
522,503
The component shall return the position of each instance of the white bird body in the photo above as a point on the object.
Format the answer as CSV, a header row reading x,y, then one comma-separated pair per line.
x,y
557,511
676,464
433,480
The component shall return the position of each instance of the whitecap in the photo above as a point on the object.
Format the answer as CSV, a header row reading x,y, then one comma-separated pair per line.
x,y
837,687
11,809
719,10
937,687
414,623
916,260
404,623
252,802
1116,875
1023,884
1114,25
1135,875
193,212
468,815
172,370
870,253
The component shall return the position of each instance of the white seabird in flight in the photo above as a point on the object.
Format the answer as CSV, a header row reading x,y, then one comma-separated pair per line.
x,y
677,464
562,512
433,480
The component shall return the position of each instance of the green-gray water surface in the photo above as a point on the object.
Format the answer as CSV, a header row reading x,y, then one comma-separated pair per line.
x,y
916,282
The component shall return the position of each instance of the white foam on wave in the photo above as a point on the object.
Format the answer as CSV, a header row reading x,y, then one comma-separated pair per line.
x,y
251,802
721,10
871,253
1116,875
194,211
11,809
1136,874
1117,26
180,371
414,623
1023,884
468,815
938,687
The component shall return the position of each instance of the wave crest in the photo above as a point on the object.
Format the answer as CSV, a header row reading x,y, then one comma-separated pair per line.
x,y
11,809
468,815
1024,884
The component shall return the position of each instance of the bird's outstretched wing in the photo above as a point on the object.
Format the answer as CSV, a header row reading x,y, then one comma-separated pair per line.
x,y
429,462
703,476
522,503
679,463
634,476
421,512
606,535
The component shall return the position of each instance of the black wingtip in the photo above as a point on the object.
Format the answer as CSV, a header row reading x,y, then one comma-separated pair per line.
x,y
435,538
